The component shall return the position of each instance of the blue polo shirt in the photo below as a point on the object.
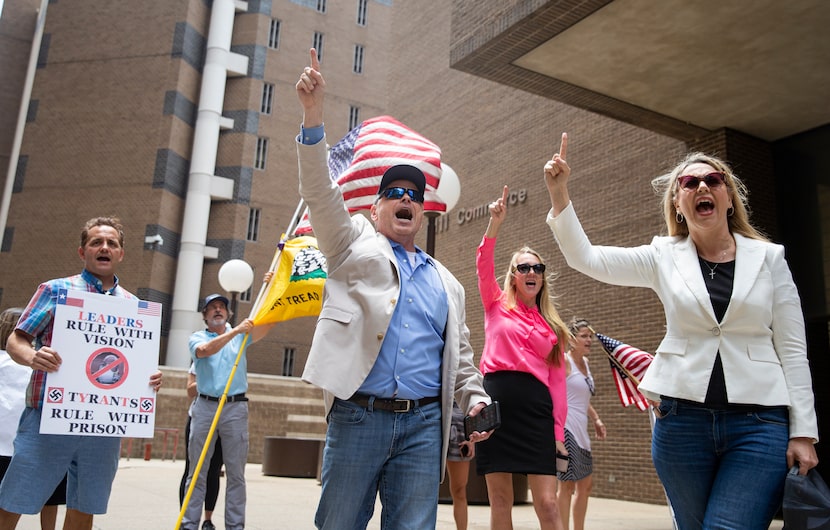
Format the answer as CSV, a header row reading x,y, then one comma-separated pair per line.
x,y
212,372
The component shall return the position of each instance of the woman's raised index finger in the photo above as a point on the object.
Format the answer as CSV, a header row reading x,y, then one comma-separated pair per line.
x,y
504,195
563,147
315,62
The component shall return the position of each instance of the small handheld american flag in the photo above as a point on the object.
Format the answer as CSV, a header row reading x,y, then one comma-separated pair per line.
x,y
628,364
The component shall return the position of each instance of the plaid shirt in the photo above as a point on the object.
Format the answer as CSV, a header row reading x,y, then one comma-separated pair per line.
x,y
38,318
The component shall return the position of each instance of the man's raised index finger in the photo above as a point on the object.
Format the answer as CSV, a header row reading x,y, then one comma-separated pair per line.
x,y
563,148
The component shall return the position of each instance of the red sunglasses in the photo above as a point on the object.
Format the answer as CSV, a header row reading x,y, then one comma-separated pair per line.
x,y
692,182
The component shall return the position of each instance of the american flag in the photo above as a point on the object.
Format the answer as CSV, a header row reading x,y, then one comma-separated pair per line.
x,y
152,309
627,362
358,161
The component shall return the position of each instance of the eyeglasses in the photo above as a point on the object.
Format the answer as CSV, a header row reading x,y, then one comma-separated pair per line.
x,y
397,193
590,383
691,182
524,268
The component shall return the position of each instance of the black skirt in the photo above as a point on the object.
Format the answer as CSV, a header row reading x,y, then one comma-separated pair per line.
x,y
525,441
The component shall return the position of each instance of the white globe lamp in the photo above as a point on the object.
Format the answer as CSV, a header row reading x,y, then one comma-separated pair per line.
x,y
449,187
235,276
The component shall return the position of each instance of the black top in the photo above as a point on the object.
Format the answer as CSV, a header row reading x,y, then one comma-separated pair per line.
x,y
718,278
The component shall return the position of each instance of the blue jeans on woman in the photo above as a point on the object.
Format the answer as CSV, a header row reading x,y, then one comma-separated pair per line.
x,y
721,469
370,451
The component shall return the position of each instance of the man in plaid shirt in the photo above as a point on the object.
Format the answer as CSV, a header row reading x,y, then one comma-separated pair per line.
x,y
41,460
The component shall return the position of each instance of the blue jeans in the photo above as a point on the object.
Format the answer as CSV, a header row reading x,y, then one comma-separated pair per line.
x,y
721,469
369,451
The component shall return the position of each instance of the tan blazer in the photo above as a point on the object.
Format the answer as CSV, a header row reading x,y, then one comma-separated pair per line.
x,y
360,295
761,338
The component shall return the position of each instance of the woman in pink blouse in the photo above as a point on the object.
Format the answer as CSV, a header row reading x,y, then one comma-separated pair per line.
x,y
524,371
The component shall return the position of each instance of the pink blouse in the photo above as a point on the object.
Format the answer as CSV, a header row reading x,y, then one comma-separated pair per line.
x,y
518,339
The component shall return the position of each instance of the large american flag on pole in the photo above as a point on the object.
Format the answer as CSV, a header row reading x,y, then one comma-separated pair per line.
x,y
628,367
358,161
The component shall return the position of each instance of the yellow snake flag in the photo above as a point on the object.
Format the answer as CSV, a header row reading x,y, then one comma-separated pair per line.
x,y
297,287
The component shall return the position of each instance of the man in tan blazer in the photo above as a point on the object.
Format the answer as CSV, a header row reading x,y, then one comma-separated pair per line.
x,y
391,348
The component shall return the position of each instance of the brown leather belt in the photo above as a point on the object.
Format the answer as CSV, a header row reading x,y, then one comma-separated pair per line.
x,y
393,405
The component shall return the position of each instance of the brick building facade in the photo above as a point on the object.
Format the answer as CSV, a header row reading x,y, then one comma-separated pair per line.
x,y
110,130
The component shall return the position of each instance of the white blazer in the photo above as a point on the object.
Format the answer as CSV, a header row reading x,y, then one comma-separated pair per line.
x,y
761,338
359,297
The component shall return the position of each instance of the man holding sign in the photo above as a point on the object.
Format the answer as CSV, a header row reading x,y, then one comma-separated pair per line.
x,y
41,460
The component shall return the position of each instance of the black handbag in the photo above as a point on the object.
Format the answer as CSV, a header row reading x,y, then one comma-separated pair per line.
x,y
806,501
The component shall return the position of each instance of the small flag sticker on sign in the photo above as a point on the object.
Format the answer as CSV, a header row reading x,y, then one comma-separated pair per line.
x,y
152,309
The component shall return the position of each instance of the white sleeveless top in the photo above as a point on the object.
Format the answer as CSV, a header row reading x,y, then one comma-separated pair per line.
x,y
579,397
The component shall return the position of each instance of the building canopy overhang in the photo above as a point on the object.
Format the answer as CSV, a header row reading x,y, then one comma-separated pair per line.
x,y
682,68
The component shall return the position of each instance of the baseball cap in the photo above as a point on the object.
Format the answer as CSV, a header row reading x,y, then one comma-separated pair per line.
x,y
216,296
404,172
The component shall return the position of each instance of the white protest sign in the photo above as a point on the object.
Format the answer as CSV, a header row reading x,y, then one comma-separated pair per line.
x,y
110,348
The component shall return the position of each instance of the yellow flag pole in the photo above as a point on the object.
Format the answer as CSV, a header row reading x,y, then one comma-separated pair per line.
x,y
212,430
291,227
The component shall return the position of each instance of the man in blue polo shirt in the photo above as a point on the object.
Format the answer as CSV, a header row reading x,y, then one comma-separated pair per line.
x,y
214,351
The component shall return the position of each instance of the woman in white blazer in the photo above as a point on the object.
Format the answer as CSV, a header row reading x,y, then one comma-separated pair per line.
x,y
730,382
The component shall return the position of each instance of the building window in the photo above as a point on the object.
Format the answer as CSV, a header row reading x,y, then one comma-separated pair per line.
x,y
354,117
317,44
321,6
274,34
361,12
288,362
357,66
267,98
245,296
261,153
253,223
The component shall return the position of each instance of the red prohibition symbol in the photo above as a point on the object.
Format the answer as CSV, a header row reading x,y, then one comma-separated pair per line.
x,y
107,368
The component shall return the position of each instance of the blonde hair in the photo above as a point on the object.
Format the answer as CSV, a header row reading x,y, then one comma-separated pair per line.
x,y
543,300
8,321
739,219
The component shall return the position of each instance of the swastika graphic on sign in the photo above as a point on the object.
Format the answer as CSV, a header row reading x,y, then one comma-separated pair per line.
x,y
54,395
147,405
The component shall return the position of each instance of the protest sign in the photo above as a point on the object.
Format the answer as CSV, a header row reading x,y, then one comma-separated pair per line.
x,y
110,348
